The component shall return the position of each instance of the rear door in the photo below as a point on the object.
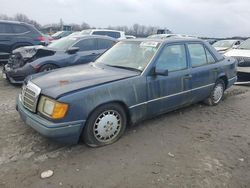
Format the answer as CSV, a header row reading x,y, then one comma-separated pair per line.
x,y
88,51
166,93
204,71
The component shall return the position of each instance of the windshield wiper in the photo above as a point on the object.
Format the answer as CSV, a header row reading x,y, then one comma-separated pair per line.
x,y
127,68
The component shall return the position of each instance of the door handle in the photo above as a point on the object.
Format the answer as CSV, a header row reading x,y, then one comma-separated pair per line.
x,y
215,69
187,76
93,53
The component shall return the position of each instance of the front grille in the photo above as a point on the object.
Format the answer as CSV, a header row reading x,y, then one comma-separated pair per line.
x,y
243,61
30,95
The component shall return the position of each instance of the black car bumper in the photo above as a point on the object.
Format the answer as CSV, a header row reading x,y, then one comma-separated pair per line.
x,y
17,76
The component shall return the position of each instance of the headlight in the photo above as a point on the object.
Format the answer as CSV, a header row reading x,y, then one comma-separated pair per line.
x,y
51,108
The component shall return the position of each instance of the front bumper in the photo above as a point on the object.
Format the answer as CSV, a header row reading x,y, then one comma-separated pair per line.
x,y
17,76
68,132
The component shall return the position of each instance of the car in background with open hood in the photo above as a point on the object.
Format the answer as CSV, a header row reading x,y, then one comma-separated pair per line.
x,y
224,45
242,55
65,52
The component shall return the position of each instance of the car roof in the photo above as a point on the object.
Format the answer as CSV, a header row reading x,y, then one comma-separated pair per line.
x,y
92,36
102,30
11,22
167,40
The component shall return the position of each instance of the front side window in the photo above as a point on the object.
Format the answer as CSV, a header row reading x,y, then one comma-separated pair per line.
x,y
197,55
172,58
86,45
210,58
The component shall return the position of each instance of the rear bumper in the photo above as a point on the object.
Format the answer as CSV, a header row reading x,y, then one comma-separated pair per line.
x,y
232,81
68,132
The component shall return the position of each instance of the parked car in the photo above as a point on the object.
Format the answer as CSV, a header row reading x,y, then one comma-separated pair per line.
x,y
119,35
17,34
61,34
224,45
242,55
134,80
211,40
164,36
65,52
130,37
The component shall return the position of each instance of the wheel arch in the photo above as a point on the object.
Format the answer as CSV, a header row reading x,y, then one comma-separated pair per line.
x,y
225,80
119,102
48,63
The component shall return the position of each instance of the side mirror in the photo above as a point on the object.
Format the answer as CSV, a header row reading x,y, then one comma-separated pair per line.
x,y
72,50
161,71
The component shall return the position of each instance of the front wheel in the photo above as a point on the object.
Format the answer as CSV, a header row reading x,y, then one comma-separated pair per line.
x,y
47,67
217,94
105,125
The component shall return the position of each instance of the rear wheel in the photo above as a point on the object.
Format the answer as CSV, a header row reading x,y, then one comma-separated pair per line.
x,y
217,94
47,67
105,125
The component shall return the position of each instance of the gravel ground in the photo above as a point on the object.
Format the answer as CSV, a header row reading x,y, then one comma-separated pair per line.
x,y
198,146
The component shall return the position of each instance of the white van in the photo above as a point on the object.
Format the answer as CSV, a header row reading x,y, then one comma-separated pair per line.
x,y
111,33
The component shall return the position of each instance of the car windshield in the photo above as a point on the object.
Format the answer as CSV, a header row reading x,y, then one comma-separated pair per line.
x,y
57,34
245,45
131,55
85,32
63,43
224,43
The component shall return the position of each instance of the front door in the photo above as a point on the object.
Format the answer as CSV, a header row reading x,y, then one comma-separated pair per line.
x,y
166,93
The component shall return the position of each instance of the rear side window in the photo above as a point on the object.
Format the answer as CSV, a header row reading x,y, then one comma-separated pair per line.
x,y
172,58
20,29
112,34
5,28
87,44
197,55
210,58
104,44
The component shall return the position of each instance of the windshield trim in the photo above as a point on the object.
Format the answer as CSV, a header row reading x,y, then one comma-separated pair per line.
x,y
123,67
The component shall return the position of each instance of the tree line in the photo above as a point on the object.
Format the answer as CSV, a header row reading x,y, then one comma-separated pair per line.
x,y
136,29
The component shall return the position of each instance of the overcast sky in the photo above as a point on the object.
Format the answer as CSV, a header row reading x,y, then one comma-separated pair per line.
x,y
218,18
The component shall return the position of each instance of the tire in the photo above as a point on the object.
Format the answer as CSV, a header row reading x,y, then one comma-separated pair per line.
x,y
105,125
217,94
47,67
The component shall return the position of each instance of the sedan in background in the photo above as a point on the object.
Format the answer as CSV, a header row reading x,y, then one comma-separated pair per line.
x,y
61,34
224,45
65,52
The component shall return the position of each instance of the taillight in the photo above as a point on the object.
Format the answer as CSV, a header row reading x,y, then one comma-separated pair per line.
x,y
41,39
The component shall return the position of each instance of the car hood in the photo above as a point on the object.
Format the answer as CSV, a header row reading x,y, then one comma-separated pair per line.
x,y
28,54
238,53
221,48
30,51
62,81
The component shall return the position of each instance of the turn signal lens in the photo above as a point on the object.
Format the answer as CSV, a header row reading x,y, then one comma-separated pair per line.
x,y
59,111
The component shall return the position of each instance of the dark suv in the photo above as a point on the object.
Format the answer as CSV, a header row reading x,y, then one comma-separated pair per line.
x,y
17,34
